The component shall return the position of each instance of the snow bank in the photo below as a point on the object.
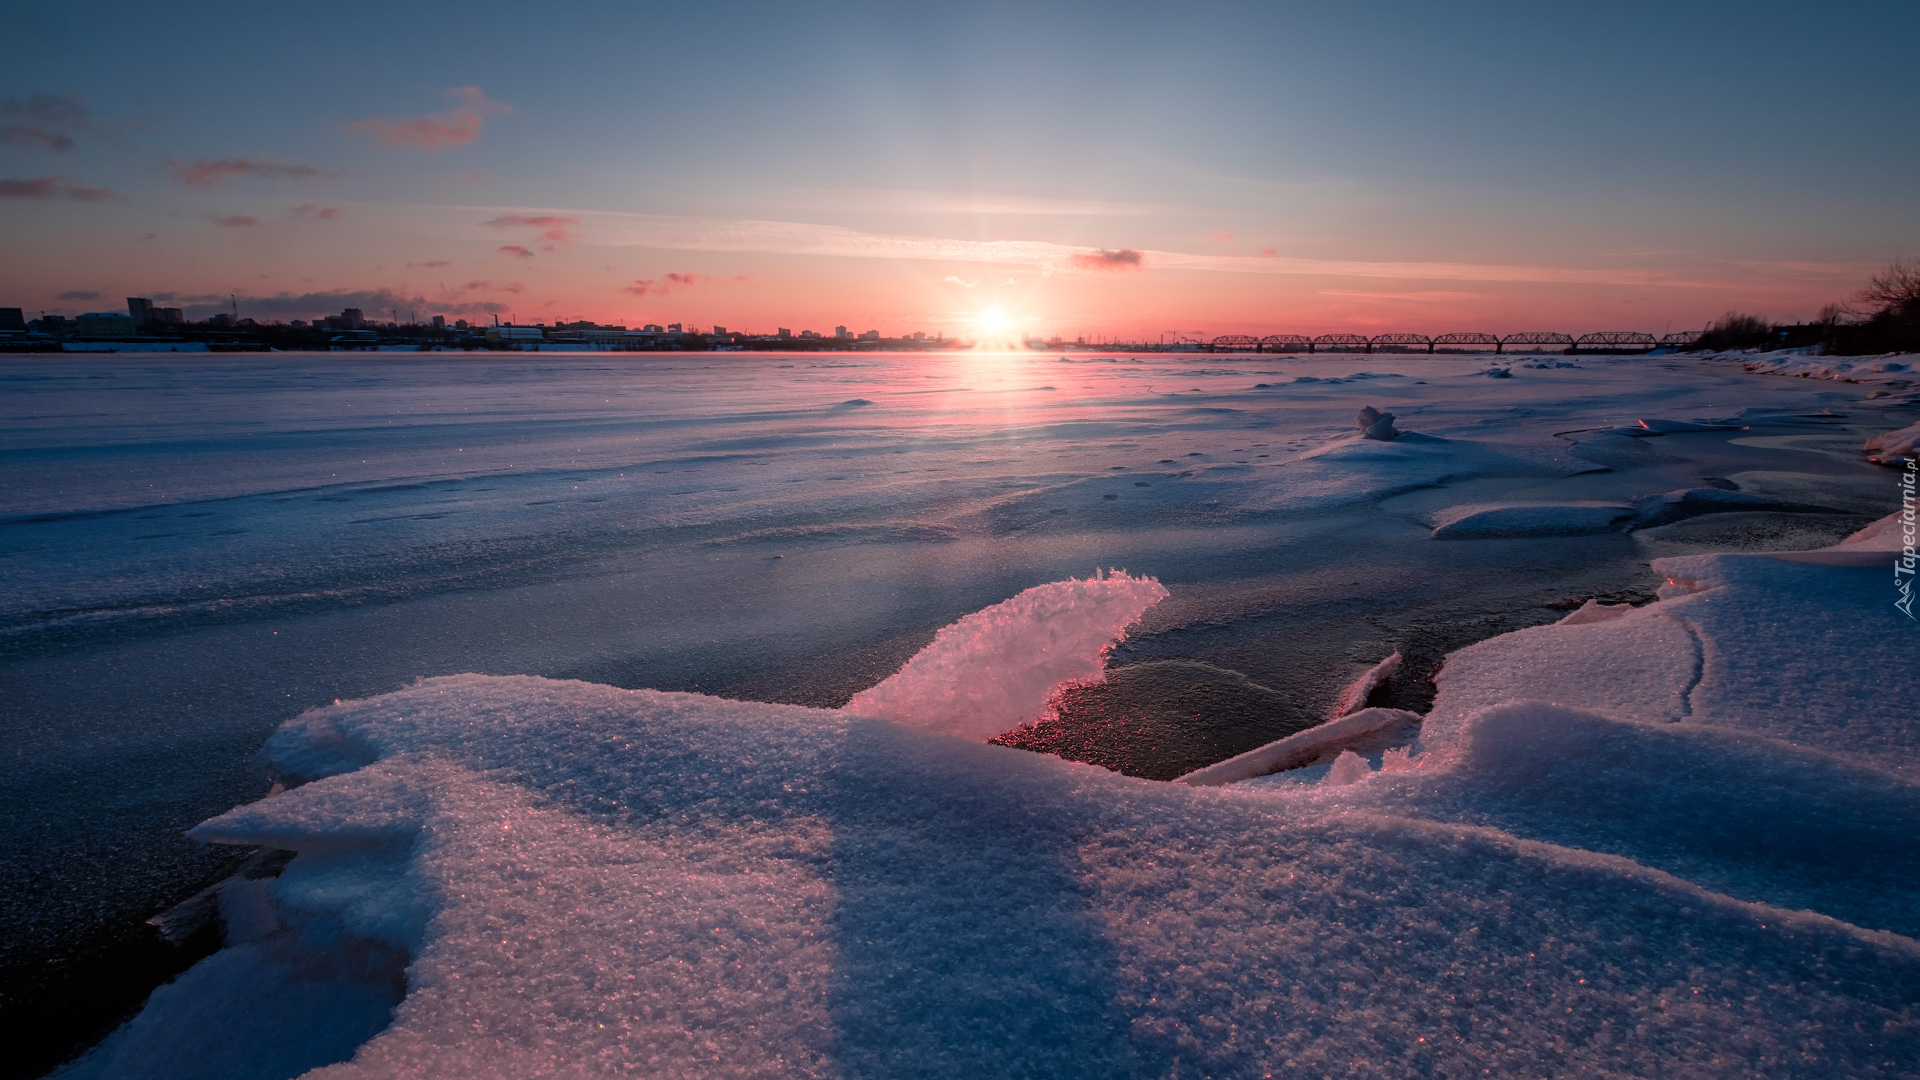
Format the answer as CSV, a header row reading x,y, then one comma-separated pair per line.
x,y
584,880
995,669
1484,520
1890,445
1894,371
1805,647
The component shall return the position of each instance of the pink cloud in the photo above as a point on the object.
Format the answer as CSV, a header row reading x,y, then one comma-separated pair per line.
x,y
217,173
1269,253
455,127
650,287
314,212
237,221
434,265
1221,236
516,251
1103,259
53,187
488,286
554,229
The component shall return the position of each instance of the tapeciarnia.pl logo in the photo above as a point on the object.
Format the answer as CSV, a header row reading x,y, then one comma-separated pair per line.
x,y
1903,566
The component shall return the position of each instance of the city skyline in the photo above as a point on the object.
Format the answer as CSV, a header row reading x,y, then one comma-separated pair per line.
x,y
1371,169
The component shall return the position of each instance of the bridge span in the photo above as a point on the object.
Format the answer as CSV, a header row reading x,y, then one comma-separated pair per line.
x,y
1600,341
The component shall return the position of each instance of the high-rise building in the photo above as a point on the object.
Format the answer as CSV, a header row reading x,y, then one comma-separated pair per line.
x,y
12,321
141,310
841,333
439,322
783,333
172,316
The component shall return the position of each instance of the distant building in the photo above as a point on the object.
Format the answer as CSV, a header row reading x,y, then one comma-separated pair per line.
x,y
439,322
870,335
653,328
57,325
12,321
513,334
460,324
919,335
140,310
298,324
719,331
104,324
809,335
840,333
172,316
783,333
673,328
351,319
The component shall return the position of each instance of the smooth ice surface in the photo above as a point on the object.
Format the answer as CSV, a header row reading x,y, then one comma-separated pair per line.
x,y
1527,519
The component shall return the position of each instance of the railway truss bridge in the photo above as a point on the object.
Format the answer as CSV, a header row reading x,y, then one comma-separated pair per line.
x,y
1601,341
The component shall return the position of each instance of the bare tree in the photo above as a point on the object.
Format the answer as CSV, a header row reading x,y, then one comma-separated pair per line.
x,y
1895,287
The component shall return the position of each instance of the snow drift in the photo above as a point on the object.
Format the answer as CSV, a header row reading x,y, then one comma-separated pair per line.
x,y
1673,840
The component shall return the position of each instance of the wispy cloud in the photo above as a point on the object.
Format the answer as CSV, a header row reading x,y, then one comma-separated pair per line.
x,y
434,265
683,233
666,284
216,173
314,212
54,187
491,287
237,221
986,203
1429,296
81,294
955,279
43,120
516,251
554,229
457,126
1103,259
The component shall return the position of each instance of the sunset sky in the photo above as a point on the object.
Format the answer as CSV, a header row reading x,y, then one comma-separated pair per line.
x,y
1117,170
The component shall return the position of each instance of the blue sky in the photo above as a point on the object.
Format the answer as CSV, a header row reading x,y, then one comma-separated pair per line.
x,y
1683,157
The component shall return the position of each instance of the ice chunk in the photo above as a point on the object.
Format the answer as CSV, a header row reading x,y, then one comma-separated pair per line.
x,y
1482,520
1354,697
1348,768
1376,425
1367,731
995,669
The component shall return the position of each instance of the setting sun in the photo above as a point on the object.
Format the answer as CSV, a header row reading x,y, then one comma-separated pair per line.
x,y
994,323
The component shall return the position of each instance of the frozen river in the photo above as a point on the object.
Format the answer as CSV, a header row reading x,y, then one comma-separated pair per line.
x,y
196,550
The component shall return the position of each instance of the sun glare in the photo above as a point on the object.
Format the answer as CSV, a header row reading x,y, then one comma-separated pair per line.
x,y
994,323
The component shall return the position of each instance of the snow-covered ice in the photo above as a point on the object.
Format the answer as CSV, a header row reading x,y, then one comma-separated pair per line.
x,y
1646,837
599,881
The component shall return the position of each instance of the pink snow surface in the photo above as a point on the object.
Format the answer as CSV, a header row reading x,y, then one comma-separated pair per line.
x,y
1704,861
